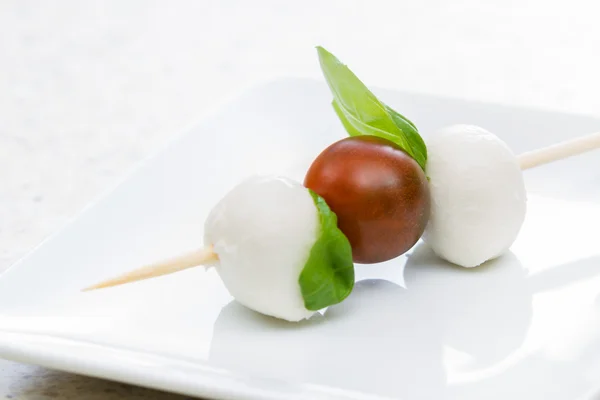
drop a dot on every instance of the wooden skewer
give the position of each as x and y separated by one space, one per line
559 151
205 256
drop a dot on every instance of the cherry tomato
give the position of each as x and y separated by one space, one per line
379 193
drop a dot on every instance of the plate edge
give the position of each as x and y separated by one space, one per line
147 370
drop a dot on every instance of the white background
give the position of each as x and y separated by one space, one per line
88 89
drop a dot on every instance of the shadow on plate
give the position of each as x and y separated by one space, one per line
391 340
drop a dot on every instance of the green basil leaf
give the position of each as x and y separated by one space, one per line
361 113
328 275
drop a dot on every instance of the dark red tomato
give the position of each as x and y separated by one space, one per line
379 193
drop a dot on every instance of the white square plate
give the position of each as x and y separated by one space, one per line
526 326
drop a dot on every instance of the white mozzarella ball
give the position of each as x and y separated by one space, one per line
478 198
263 231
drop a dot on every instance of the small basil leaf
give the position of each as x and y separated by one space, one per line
361 113
328 275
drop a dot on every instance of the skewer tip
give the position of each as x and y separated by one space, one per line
203 257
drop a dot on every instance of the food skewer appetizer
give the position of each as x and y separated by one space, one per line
287 249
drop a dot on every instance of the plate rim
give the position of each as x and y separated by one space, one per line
146 369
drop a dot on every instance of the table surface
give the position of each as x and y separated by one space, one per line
87 90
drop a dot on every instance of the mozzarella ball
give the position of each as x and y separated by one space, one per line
263 231
478 198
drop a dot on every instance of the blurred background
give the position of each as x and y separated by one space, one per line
88 89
